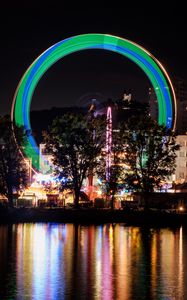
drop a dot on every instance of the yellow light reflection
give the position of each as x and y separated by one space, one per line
180 277
106 262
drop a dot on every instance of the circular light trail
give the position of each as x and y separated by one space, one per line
151 66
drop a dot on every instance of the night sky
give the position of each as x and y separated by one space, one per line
27 29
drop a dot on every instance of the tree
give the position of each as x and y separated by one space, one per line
150 152
13 173
75 142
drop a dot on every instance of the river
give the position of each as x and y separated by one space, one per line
112 261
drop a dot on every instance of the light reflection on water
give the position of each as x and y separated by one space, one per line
55 261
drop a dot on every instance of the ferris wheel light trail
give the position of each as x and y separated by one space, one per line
156 73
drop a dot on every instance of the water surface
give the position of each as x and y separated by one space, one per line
56 261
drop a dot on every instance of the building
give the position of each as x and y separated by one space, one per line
153 104
45 160
180 87
180 175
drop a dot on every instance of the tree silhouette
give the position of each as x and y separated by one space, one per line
75 142
150 153
13 171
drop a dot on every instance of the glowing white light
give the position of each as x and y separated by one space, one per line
44 178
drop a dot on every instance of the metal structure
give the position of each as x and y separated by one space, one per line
108 142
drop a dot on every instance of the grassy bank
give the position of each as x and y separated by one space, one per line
91 216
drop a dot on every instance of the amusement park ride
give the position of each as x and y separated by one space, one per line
108 142
156 73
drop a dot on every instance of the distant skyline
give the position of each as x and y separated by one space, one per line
28 29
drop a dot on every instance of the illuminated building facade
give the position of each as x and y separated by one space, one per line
180 174
45 160
182 118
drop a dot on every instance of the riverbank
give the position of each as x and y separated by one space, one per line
91 216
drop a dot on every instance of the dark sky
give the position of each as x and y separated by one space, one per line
28 28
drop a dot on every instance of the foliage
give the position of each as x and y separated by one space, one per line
75 142
13 173
150 153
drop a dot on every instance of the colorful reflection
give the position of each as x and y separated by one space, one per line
112 261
